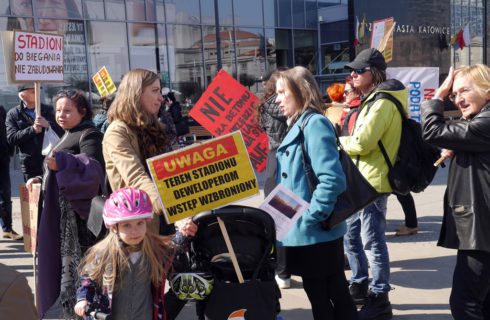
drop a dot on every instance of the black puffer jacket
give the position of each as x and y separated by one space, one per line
4 147
466 221
21 134
273 122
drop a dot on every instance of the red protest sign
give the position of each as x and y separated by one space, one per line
227 106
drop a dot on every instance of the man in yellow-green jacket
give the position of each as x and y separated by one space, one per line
378 120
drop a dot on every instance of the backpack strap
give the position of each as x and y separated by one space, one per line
399 107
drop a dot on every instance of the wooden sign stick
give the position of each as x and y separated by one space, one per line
37 90
234 260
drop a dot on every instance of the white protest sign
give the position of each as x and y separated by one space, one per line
421 82
38 57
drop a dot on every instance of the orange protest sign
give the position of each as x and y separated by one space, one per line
227 106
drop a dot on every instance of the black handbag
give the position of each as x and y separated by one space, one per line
359 193
95 221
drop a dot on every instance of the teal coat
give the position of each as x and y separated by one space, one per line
321 146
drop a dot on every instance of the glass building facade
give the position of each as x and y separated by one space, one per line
187 41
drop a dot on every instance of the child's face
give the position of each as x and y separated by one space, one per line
132 232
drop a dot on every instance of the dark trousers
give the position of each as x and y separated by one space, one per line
270 184
5 196
470 294
408 206
329 297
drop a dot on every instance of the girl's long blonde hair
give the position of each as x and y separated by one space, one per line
109 258
127 108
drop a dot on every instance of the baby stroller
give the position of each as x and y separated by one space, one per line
253 237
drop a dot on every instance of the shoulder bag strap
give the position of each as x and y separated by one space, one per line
310 174
399 107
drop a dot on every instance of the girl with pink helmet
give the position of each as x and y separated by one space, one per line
125 273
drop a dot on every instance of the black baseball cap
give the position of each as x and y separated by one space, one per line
25 86
368 58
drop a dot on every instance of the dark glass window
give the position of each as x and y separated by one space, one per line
94 9
270 13
211 52
59 9
17 7
185 59
248 13
334 57
284 48
225 12
179 11
150 8
311 14
163 57
304 49
115 9
298 13
227 51
334 32
135 10
9 97
284 13
250 57
270 48
75 57
160 14
107 46
328 3
208 12
142 46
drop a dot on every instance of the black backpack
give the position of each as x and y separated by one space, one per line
414 168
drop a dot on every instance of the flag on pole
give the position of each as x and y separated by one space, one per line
462 38
362 28
356 37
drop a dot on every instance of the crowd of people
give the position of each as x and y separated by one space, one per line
124 270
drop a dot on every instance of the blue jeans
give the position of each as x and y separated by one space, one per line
365 241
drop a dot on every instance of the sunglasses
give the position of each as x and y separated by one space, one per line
361 70
70 93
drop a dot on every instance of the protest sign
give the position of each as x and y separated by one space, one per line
29 208
203 177
421 82
227 106
103 82
382 37
37 57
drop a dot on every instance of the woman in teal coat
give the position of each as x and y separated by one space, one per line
317 255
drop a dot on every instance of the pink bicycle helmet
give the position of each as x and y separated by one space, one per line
127 204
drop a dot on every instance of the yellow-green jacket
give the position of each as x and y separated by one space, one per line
382 122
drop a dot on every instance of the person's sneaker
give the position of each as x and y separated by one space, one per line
12 235
406 231
359 292
377 307
283 283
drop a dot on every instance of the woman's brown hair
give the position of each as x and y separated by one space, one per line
304 88
127 108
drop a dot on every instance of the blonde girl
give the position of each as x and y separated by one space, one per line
124 274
